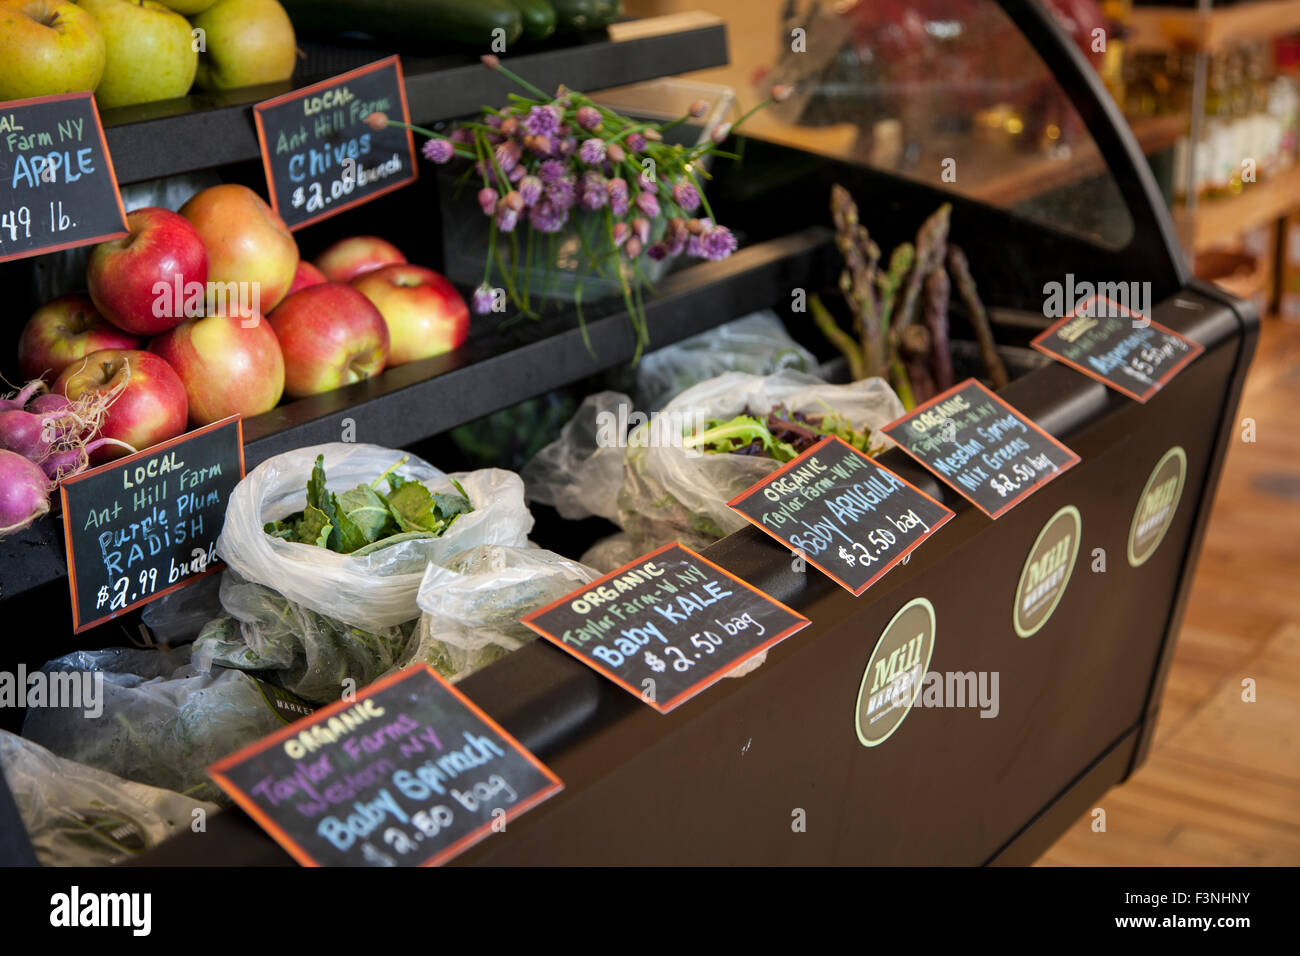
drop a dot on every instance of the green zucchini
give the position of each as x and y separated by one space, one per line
471 23
607 11
575 16
538 17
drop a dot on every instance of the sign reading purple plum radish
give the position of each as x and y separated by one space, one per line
850 518
144 525
981 446
320 155
409 773
667 625
1133 355
61 190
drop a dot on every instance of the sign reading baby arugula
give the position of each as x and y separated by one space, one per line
60 188
667 625
1129 353
145 525
320 155
981 446
851 519
409 773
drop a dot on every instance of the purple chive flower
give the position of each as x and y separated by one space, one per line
646 182
648 203
438 150
542 120
717 243
686 196
592 151
516 174
615 153
618 198
568 145
636 142
512 200
530 190
588 117
547 217
622 231
491 119
508 154
550 170
483 299
592 191
675 236
509 126
562 193
641 227
541 145
507 218
461 136
633 247
657 251
487 200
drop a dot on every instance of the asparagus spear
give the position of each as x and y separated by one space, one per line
960 269
935 311
931 243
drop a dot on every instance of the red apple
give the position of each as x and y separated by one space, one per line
140 282
230 364
151 406
306 275
247 242
64 330
331 336
349 258
424 312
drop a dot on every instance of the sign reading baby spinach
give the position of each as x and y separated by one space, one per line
143 526
409 773
850 518
981 446
60 188
667 625
1126 352
321 156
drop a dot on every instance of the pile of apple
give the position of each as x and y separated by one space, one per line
136 51
152 332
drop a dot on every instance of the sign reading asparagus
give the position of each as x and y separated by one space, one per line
850 518
1137 358
408 773
61 190
667 625
981 446
142 526
320 155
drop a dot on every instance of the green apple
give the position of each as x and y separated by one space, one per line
187 7
248 42
151 53
47 46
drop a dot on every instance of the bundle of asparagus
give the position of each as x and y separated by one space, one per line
889 341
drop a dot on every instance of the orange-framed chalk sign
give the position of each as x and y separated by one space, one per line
143 526
409 772
320 154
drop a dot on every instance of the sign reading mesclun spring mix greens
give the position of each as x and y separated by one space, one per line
409 773
981 446
1156 506
60 188
1128 353
895 671
1047 571
848 516
667 625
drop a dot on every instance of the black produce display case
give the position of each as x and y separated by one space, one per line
727 777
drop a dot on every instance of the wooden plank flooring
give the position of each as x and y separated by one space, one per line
1222 784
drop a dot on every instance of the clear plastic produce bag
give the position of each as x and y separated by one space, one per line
471 608
580 472
162 724
79 816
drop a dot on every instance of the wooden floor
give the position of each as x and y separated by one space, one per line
1222 784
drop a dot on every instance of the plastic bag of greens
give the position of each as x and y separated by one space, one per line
79 816
308 654
162 724
471 608
758 344
579 473
373 586
610 553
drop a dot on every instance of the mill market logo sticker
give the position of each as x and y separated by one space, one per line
1047 571
1157 506
895 671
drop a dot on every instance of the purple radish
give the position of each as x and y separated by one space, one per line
29 435
19 401
49 402
24 492
66 461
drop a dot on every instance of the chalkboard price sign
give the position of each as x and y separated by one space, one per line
1129 353
60 188
981 446
850 518
409 773
667 625
320 156
145 525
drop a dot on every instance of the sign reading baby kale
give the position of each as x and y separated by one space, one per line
409 773
848 516
984 448
320 155
142 526
667 625
1129 353
60 188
